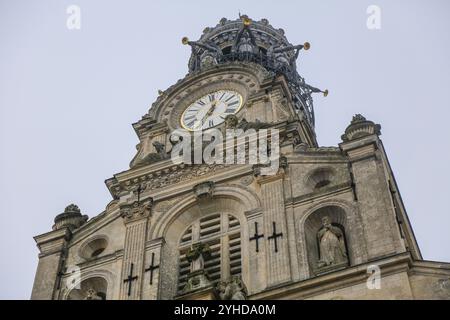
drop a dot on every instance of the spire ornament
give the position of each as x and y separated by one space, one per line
360 127
252 41
71 218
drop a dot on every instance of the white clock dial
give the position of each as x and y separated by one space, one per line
211 110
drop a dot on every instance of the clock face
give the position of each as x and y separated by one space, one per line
211 110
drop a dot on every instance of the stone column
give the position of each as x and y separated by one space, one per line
136 218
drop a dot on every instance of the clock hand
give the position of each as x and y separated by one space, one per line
209 112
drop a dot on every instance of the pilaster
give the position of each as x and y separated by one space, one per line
275 229
136 218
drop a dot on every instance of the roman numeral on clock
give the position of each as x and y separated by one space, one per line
190 123
229 98
189 118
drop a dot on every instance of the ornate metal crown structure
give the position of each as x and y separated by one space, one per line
257 42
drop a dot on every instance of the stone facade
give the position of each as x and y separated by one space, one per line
262 236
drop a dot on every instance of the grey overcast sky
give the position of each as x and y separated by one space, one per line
68 98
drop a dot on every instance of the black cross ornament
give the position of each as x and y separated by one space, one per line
151 268
139 190
275 235
130 279
59 275
256 236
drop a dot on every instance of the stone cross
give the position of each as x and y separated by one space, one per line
139 190
59 276
151 268
256 236
130 279
275 235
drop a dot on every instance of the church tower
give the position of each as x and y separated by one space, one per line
326 223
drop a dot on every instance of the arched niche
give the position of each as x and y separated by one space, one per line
94 288
313 224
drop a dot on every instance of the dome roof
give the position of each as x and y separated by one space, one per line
256 42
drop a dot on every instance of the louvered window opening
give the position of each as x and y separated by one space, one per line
223 235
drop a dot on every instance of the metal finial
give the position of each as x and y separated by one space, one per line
185 40
246 21
306 46
325 93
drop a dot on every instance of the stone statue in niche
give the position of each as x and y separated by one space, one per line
234 289
332 248
197 254
91 294
198 277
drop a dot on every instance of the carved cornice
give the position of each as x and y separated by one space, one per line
54 241
161 178
304 148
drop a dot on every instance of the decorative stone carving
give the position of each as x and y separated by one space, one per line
234 289
231 121
245 125
331 245
153 157
161 178
91 294
360 127
136 210
247 180
198 277
204 190
196 255
70 218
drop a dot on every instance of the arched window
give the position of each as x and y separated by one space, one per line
221 231
94 247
